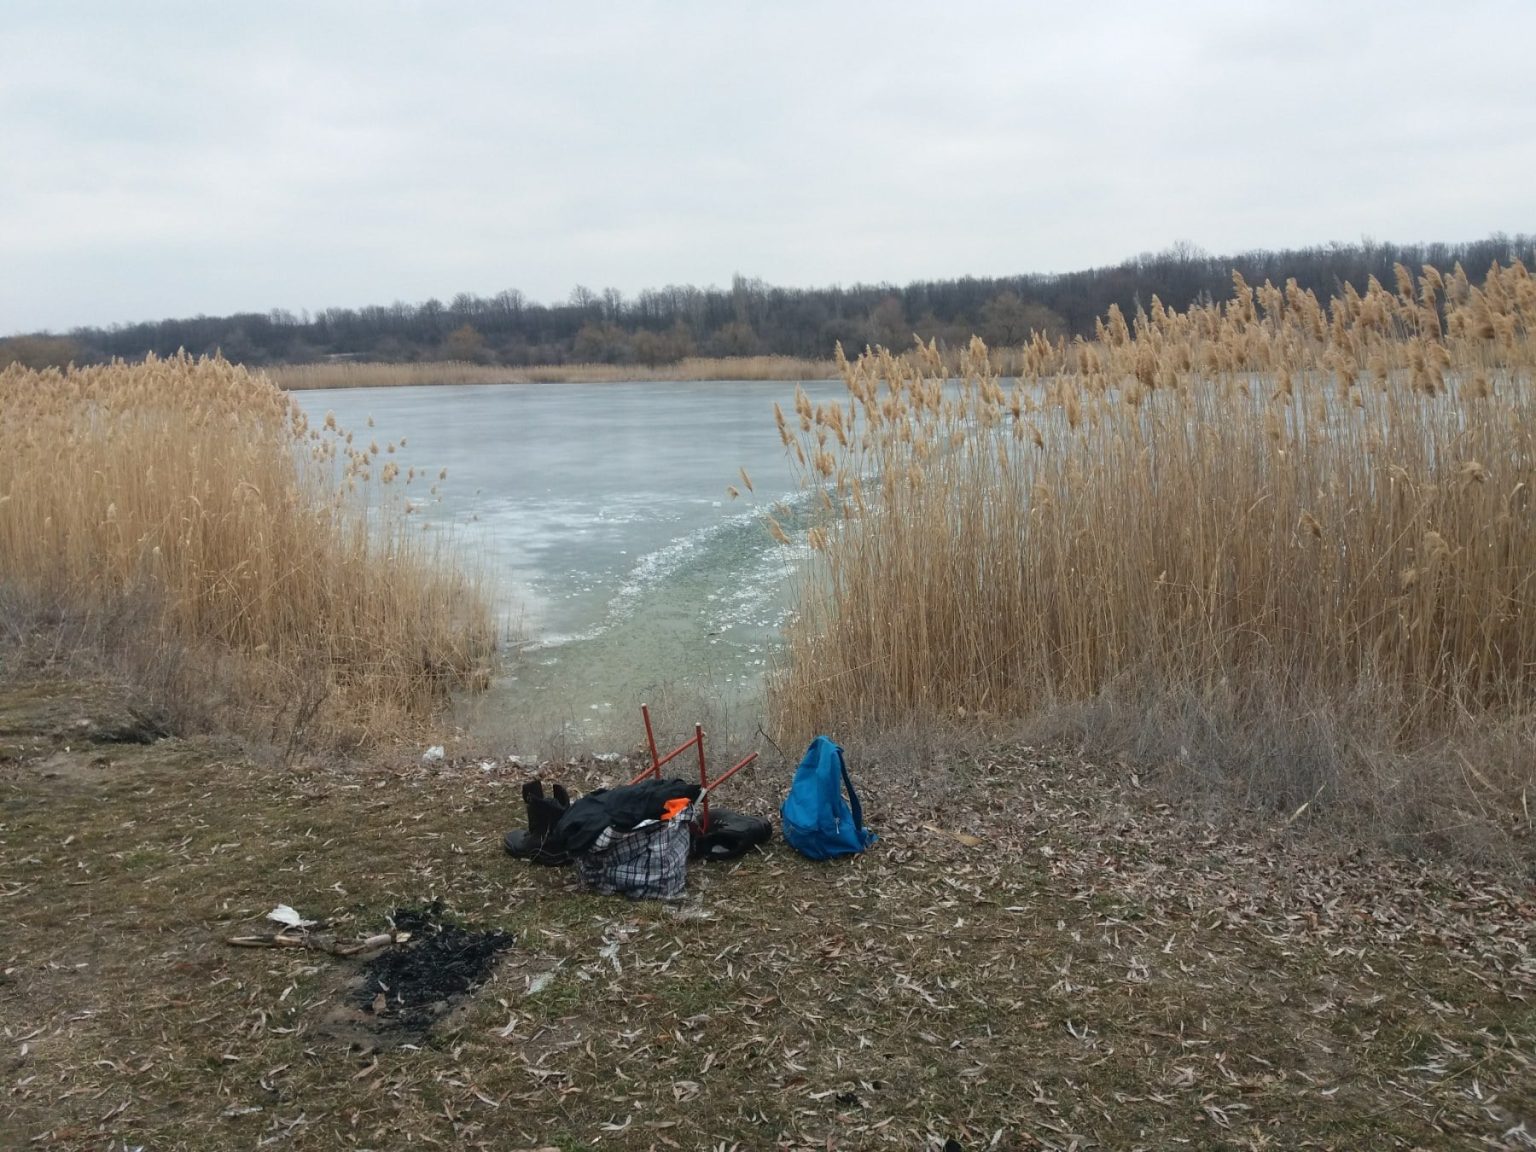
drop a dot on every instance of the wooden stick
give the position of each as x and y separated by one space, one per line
321 943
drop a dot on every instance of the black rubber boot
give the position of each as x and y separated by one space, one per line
543 814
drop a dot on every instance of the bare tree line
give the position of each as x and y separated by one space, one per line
751 317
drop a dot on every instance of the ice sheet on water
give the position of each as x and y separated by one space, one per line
530 529
655 567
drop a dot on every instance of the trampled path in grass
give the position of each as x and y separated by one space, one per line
1035 955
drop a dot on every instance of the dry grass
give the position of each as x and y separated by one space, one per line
193 498
1032 957
379 375
1265 500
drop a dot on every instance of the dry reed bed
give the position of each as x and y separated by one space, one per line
1263 500
197 489
367 374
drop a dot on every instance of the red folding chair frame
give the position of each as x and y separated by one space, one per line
659 761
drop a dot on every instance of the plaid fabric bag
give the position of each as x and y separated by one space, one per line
649 862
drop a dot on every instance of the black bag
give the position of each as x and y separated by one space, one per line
731 835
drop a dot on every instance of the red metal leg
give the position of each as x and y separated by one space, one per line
698 734
735 768
665 760
650 738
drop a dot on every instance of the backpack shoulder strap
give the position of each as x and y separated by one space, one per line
853 797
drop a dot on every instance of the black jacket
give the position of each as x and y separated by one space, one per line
621 808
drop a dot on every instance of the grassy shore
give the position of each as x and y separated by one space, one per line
295 377
1036 955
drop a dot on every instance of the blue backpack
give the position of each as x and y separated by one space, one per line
817 821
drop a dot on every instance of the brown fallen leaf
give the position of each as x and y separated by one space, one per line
964 837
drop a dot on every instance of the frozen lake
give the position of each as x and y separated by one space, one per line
602 512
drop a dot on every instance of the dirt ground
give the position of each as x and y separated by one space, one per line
1035 955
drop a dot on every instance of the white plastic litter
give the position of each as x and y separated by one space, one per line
433 754
610 953
286 915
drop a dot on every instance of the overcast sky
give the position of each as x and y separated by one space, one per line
168 159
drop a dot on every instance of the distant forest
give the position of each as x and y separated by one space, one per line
661 326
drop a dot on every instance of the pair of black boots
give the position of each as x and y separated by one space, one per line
544 812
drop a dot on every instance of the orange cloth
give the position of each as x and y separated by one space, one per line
672 807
